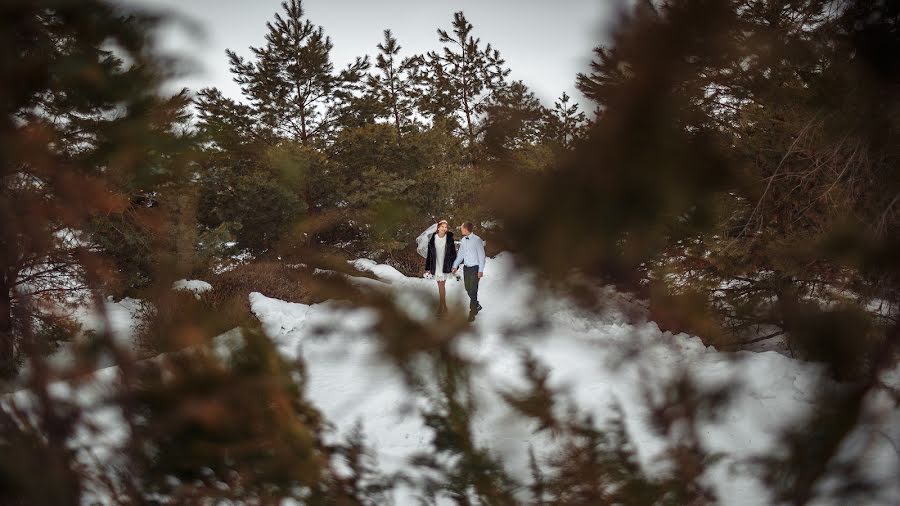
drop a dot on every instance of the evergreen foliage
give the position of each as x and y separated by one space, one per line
462 77
84 136
395 86
291 81
739 172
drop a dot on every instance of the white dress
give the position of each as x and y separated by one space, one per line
440 249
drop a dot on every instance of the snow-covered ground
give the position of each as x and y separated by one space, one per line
118 318
121 317
595 359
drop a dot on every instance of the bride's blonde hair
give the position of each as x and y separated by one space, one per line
442 222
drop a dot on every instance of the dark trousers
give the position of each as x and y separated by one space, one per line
470 275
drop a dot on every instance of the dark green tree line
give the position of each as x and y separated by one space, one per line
351 169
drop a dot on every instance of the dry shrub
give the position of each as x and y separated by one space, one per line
172 321
687 312
231 289
175 319
493 245
406 260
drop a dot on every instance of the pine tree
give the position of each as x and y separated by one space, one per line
462 78
394 86
227 125
789 94
517 113
607 71
291 81
748 151
565 123
84 134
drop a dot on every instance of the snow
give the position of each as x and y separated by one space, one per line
595 359
100 436
193 285
121 317
381 271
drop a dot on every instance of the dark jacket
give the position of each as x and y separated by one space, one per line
449 254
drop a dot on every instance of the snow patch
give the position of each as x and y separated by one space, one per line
192 285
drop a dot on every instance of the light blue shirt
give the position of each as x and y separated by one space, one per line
471 252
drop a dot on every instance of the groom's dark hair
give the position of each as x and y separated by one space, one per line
468 226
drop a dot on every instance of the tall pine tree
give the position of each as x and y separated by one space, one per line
84 133
393 86
565 123
462 77
291 80
514 119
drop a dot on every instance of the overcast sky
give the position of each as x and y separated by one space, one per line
545 42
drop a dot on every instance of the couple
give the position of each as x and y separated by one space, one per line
442 260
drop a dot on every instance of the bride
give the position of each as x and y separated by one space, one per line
437 246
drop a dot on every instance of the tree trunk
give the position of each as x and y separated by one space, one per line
394 100
397 121
303 128
469 126
7 342
183 209
301 98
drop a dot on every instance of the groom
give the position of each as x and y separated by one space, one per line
471 254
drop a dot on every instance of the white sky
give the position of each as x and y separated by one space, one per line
545 43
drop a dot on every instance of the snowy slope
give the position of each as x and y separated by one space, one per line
594 359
